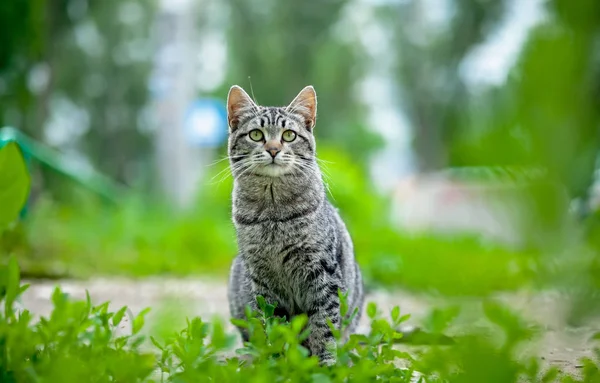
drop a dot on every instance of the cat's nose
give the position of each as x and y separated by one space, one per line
273 147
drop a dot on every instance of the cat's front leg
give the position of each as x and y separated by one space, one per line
255 290
321 341
260 288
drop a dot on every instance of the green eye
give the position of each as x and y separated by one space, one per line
289 135
256 135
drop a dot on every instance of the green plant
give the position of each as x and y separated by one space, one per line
77 343
140 237
14 183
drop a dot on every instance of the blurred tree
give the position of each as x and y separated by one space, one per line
23 44
563 59
284 46
429 53
74 73
558 104
547 115
111 44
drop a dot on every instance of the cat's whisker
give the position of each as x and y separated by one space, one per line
327 176
226 158
224 171
250 168
222 179
305 167
224 176
324 161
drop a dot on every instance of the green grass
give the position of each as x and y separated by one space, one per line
137 243
141 238
76 343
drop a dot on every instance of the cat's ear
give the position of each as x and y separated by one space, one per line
238 104
305 105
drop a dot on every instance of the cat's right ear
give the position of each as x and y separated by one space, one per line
238 104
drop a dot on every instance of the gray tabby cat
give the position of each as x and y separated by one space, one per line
294 248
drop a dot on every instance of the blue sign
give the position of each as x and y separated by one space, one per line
205 123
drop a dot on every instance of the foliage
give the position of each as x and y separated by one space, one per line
55 60
77 343
434 95
137 238
60 56
142 238
14 183
74 344
547 112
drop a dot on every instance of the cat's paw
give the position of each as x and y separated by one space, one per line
328 361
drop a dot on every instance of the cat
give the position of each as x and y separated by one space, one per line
294 249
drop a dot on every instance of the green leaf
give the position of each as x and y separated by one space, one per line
372 310
299 322
320 378
23 288
138 322
12 285
550 375
156 344
439 319
137 341
219 338
121 342
119 316
260 300
304 335
270 310
395 313
343 297
102 308
334 330
239 322
14 184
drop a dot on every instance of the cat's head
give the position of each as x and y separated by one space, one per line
271 141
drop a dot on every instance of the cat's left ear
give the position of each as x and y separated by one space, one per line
238 104
305 105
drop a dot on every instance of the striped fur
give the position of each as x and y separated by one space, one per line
294 248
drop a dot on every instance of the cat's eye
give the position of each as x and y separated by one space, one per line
256 135
289 135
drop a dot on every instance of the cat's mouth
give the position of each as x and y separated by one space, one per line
273 169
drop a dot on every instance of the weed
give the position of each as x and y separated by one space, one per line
76 343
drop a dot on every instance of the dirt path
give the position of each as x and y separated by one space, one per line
174 299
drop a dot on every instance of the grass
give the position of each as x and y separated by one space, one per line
141 238
77 343
137 243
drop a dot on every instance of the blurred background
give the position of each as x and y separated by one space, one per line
460 138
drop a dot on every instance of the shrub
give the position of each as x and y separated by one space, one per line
76 343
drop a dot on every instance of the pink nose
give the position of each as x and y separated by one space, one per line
273 147
273 151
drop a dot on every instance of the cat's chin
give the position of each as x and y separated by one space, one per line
273 170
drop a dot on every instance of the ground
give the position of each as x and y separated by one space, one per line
173 299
